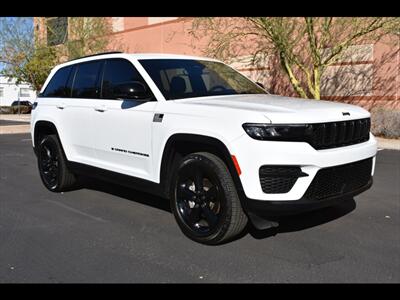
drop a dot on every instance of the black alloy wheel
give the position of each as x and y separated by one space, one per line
49 163
199 198
204 200
52 164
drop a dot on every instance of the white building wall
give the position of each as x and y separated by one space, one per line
11 91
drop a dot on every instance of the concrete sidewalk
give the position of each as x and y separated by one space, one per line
10 124
16 117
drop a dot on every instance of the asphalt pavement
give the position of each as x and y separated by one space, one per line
107 233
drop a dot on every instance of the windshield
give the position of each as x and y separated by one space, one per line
187 78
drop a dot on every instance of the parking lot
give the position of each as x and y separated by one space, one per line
107 233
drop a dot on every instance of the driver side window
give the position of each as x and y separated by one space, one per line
116 72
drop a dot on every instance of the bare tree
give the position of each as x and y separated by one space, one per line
29 55
304 47
20 58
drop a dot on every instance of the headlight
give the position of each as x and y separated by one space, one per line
284 132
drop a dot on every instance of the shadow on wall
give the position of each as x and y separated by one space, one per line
375 79
286 223
358 78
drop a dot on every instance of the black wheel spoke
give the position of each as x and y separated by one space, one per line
49 163
185 192
211 217
198 180
194 215
212 194
198 198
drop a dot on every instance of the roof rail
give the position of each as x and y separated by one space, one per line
102 53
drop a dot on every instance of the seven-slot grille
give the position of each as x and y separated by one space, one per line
338 134
338 180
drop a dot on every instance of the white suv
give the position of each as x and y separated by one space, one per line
194 130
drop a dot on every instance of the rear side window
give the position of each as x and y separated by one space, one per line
86 80
56 86
118 71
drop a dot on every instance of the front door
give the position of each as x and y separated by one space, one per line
123 128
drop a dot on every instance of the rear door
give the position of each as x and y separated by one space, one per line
51 99
76 112
123 128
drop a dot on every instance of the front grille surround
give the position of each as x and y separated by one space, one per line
339 180
338 134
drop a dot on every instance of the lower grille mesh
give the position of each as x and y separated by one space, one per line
339 180
279 179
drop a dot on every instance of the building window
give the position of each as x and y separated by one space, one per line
1 92
118 24
155 20
24 92
57 30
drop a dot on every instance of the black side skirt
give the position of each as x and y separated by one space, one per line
118 178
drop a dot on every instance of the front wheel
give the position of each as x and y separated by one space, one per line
204 200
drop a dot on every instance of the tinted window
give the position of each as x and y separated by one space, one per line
56 86
86 78
118 71
186 78
68 86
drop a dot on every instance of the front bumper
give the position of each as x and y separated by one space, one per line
282 208
252 154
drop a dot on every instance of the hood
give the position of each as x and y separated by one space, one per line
279 109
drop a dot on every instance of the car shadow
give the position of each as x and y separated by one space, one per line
305 220
286 223
125 192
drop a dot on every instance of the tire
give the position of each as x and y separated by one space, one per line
53 169
206 207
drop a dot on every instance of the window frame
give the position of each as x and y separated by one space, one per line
98 78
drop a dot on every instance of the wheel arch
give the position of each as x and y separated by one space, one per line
180 144
41 128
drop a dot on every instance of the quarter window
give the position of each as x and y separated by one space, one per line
118 71
56 86
86 79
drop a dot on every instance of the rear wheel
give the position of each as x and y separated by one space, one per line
52 165
204 200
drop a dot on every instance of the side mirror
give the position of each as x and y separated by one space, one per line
131 90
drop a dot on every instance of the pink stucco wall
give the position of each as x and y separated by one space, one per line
382 88
173 37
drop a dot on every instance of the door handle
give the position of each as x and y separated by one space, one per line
100 108
61 106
